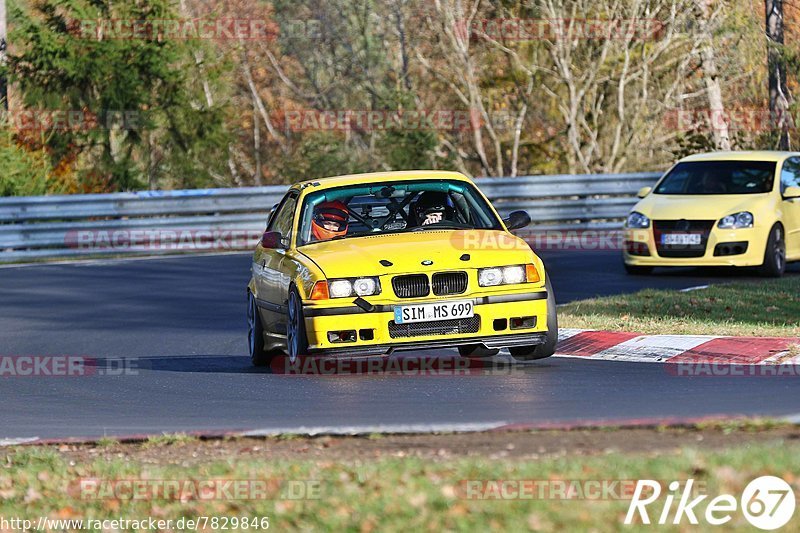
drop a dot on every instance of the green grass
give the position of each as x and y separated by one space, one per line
767 308
390 494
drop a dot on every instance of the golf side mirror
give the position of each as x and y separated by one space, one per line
791 192
644 191
517 220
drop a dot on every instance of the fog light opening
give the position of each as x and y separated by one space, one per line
366 334
637 248
523 322
342 336
500 324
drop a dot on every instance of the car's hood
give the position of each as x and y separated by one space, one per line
362 256
697 207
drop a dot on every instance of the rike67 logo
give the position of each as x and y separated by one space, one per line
767 502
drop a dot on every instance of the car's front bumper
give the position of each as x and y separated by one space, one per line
755 239
493 331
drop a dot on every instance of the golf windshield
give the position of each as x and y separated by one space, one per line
719 177
406 206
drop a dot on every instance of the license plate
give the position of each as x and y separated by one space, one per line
407 314
681 238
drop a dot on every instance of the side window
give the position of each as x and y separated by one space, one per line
282 219
790 173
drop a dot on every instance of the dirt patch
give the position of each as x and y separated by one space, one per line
496 444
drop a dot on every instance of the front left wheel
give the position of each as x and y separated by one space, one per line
541 351
296 338
774 263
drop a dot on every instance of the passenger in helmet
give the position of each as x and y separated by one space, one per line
330 220
431 208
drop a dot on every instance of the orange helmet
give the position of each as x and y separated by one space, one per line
330 220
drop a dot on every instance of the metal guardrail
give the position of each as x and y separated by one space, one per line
121 223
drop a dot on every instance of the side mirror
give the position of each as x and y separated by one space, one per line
517 220
272 240
644 191
791 192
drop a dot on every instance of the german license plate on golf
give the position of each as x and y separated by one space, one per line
406 314
681 238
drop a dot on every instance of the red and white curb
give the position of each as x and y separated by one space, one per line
632 347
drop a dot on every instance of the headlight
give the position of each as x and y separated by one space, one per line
489 277
365 286
510 275
737 221
344 288
637 220
513 275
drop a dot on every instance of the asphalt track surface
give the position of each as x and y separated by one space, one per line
179 323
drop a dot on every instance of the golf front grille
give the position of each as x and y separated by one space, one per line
413 286
445 283
439 327
701 227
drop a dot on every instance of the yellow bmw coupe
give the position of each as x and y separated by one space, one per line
372 263
719 209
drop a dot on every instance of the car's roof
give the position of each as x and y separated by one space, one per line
753 155
404 175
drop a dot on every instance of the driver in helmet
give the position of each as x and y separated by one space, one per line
431 208
330 220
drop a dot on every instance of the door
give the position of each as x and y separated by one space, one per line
268 269
790 177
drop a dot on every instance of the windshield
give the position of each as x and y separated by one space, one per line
378 208
719 177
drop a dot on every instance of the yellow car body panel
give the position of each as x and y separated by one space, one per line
426 252
768 209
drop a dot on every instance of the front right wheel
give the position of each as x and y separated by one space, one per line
296 338
540 351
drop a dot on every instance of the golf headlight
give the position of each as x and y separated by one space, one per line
737 221
510 275
344 288
637 220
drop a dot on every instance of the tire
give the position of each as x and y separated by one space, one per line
541 351
255 334
635 270
296 338
774 264
476 350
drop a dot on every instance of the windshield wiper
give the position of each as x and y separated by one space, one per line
441 226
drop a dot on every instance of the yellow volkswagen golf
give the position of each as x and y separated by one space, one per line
372 263
719 209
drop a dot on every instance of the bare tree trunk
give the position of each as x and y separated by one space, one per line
719 123
3 48
778 93
256 145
